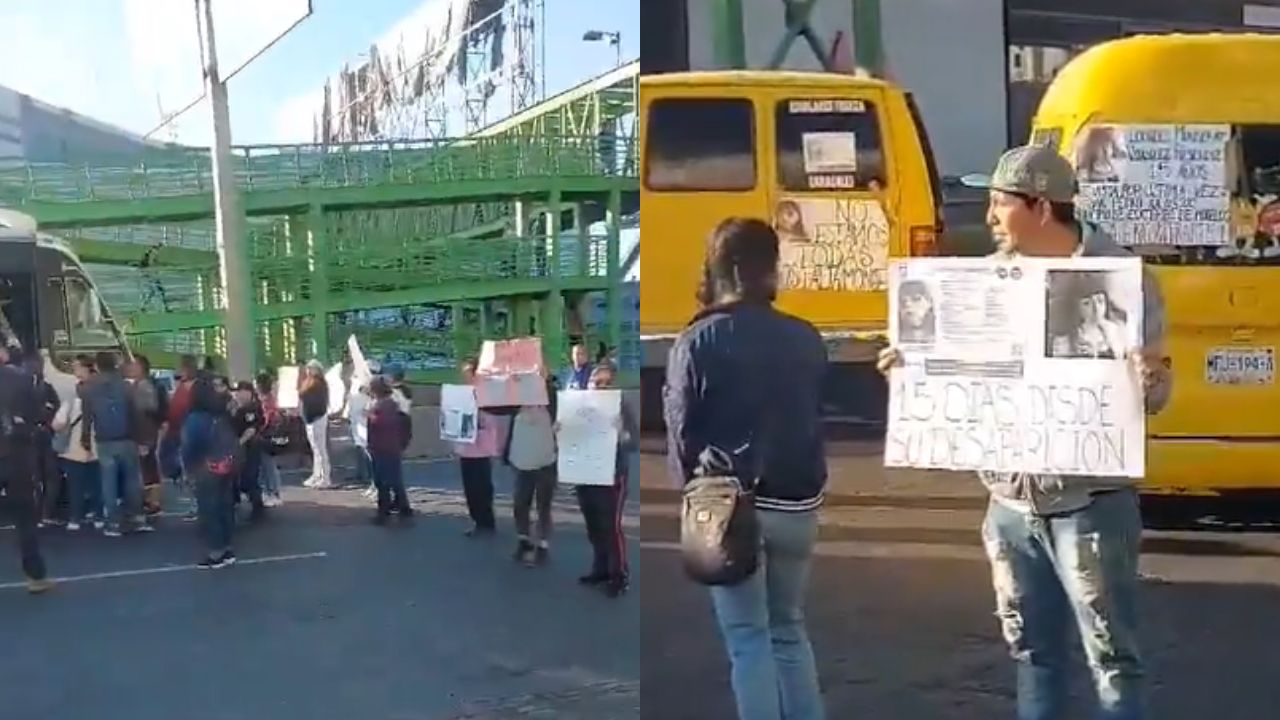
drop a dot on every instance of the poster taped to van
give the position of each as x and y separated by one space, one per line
1156 184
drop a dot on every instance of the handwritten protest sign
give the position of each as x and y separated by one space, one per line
587 439
510 373
287 388
337 389
458 411
510 357
1156 184
1017 366
361 373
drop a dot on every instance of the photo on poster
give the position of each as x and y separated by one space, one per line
917 319
1084 317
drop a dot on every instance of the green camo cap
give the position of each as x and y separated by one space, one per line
1034 170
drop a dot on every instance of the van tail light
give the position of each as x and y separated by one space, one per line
924 240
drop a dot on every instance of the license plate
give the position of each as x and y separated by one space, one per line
1240 366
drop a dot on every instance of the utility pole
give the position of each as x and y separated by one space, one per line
233 255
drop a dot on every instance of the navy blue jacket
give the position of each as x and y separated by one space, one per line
745 381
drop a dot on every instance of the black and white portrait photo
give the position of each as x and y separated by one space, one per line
916 318
1082 317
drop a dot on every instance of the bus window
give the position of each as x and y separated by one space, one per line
85 318
700 144
17 306
829 144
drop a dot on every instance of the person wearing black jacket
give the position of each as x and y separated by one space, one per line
313 395
602 505
248 421
47 475
742 396
20 414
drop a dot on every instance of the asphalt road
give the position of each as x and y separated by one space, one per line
335 619
901 605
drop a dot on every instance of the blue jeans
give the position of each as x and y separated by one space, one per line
84 489
121 472
388 476
269 475
774 676
1081 568
215 511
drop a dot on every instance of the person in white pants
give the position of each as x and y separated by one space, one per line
313 396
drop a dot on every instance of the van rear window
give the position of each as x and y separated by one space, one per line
830 144
700 144
1254 181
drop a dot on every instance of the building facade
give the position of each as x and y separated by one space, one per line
34 131
977 68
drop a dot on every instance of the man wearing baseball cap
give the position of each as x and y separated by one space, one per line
1065 549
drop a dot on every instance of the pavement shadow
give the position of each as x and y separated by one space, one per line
915 638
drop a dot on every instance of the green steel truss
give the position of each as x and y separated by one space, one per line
422 248
350 238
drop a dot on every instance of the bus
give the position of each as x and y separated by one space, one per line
48 302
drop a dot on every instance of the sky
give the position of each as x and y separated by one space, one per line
124 61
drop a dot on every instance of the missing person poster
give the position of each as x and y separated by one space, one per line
458 414
1017 365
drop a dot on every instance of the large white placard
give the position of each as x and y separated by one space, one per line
587 439
458 413
1017 366
337 389
1156 184
287 387
361 374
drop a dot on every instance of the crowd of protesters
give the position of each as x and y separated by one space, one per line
98 460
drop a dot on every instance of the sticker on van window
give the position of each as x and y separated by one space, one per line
824 107
1156 184
838 245
830 152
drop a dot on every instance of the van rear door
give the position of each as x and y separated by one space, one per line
833 197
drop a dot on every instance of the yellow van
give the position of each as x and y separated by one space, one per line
840 165
1176 142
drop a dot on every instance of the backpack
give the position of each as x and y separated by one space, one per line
225 454
110 411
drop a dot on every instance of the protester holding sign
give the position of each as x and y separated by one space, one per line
531 451
602 505
1047 536
475 460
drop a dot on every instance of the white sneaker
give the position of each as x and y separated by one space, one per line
323 485
73 526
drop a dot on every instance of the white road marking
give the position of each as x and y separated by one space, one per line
167 569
